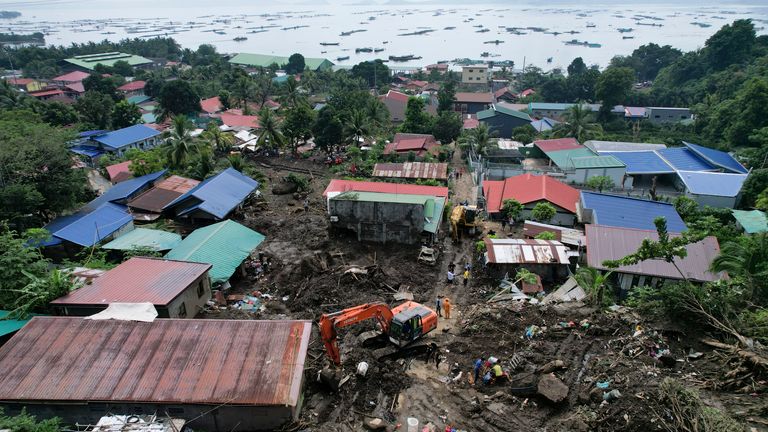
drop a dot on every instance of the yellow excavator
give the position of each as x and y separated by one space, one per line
464 218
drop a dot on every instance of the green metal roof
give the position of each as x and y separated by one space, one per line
753 221
482 115
224 245
143 238
564 158
597 162
8 326
262 60
90 61
511 112
433 206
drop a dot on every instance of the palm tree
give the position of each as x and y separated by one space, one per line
180 142
578 124
9 97
219 140
291 93
377 114
243 91
357 126
593 282
263 89
478 139
746 258
269 135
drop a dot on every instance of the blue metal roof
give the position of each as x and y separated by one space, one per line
123 137
642 162
86 150
709 183
683 159
544 124
717 158
216 195
91 228
626 212
124 190
86 134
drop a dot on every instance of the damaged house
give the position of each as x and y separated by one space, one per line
548 259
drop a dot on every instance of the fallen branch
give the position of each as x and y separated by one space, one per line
750 356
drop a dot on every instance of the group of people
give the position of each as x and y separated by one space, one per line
443 307
490 370
451 275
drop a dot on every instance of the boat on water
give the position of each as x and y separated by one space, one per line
549 59
376 50
329 43
582 43
404 58
485 54
363 50
450 28
220 32
342 58
627 37
485 30
625 30
257 31
496 42
591 25
240 39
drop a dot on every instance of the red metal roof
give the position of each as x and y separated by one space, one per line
557 144
612 243
383 187
235 120
410 144
471 123
413 170
132 86
527 92
20 81
182 361
396 95
211 105
474 98
114 170
138 280
76 87
43 93
72 77
178 184
528 188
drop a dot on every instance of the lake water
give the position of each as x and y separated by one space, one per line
194 22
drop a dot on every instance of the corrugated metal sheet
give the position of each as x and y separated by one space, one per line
621 146
642 162
89 229
528 188
383 187
125 190
154 200
138 280
712 183
237 362
413 170
683 159
612 243
717 158
123 137
752 221
224 245
557 144
569 236
626 212
526 251
144 238
217 195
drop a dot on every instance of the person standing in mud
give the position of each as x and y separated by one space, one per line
466 277
306 205
450 276
447 307
439 306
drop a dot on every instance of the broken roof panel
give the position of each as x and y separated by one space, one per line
412 170
525 251
168 361
337 186
613 243
752 221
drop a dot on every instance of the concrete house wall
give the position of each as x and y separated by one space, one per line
474 75
581 175
379 221
714 201
668 115
141 145
563 217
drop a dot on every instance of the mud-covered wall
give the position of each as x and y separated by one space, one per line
379 221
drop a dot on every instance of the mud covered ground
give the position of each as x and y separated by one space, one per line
309 274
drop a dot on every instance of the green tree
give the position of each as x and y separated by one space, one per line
733 43
686 207
753 185
243 90
297 126
122 68
546 235
236 161
25 422
748 112
578 124
180 143
746 259
58 114
613 88
145 162
292 95
295 64
511 209
447 127
95 109
417 120
153 85
225 98
600 183
19 263
328 129
41 290
270 133
446 97
581 86
220 141
374 73
577 66
104 85
478 139
594 283
357 127
378 115
648 60
543 212
555 89
125 114
179 97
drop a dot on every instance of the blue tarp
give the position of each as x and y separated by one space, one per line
642 162
709 183
626 212
217 195
126 136
717 158
683 159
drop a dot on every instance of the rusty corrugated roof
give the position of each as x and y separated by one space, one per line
178 184
526 251
154 199
234 362
413 170
613 243
138 280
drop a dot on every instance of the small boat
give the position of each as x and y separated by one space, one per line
627 37
364 50
496 42
240 39
485 54
485 30
329 43
342 58
450 28
220 32
625 30
549 60
378 50
591 25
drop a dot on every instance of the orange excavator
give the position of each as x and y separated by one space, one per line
402 325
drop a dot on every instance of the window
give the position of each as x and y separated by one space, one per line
182 312
470 71
200 289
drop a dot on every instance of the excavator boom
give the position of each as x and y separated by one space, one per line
330 322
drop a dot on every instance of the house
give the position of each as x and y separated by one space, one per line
525 93
751 221
618 146
396 103
474 74
47 94
642 167
177 289
574 238
578 162
215 197
412 170
548 259
529 190
70 78
386 217
119 172
555 110
440 67
470 121
719 190
544 125
635 113
88 62
224 245
613 243
660 115
27 85
102 219
501 121
472 103
716 158
237 121
133 88
504 94
211 105
192 369
337 186
261 60
144 239
73 90
626 212
149 205
139 137
405 143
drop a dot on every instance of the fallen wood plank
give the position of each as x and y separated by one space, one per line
750 356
